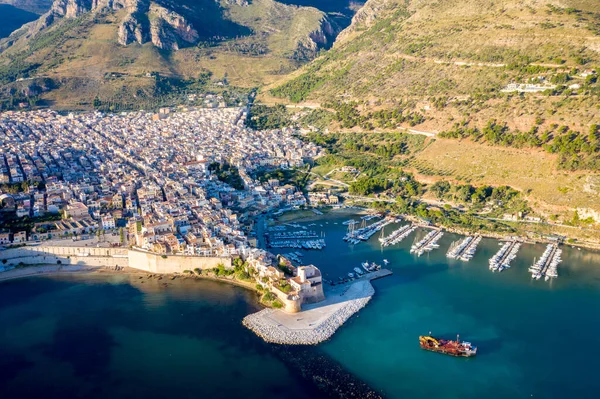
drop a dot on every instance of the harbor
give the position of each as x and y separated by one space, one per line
447 297
465 250
427 244
427 293
317 322
502 259
547 265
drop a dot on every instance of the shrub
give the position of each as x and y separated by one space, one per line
269 296
277 304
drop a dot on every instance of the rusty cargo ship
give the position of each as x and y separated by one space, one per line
447 347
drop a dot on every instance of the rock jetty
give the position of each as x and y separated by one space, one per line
317 322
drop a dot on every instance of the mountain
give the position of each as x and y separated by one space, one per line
455 57
82 49
446 69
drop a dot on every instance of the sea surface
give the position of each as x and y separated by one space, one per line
12 18
95 336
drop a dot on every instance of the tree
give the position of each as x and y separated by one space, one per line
594 136
440 189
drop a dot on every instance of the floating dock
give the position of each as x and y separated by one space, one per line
365 232
465 249
547 265
397 235
428 243
501 260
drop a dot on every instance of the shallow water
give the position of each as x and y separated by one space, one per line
533 336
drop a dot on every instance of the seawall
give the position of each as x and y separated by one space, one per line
109 257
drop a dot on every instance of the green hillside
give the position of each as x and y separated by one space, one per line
76 60
440 69
453 58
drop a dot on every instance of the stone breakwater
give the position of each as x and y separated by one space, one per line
315 324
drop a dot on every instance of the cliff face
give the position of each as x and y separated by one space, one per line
367 15
145 21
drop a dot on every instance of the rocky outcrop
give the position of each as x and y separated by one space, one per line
168 28
323 37
144 22
366 16
131 31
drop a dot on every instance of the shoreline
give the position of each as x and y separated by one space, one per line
51 270
495 235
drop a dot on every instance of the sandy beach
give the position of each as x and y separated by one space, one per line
32 271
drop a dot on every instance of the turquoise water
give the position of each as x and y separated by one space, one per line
535 338
119 337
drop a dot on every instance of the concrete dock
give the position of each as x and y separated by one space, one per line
316 322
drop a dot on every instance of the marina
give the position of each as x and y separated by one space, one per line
427 244
300 239
397 235
465 249
547 265
437 294
501 260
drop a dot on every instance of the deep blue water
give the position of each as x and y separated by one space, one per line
116 337
12 18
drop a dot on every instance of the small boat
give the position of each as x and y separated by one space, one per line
358 271
385 262
351 275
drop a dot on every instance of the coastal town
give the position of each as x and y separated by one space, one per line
168 179
175 185
177 192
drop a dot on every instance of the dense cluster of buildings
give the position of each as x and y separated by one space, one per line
156 183
150 178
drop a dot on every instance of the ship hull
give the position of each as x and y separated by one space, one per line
444 351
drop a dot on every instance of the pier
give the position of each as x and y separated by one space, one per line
397 236
465 249
354 236
501 260
547 265
428 243
319 321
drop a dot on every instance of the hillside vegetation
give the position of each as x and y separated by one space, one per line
441 67
453 58
79 58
